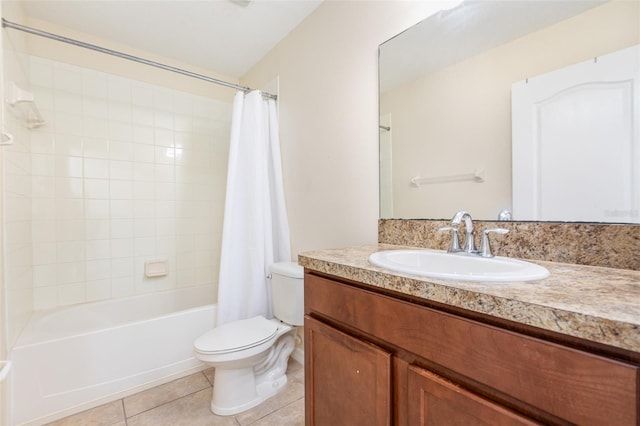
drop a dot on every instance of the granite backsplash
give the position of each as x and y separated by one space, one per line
609 245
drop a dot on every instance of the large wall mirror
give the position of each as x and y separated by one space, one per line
480 111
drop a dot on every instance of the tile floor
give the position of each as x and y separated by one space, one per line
186 402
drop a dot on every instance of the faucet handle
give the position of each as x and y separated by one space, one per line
454 246
485 247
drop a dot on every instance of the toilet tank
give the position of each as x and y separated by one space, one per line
287 292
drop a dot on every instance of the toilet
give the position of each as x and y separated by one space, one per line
251 355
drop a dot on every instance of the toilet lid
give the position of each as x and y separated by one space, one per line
237 335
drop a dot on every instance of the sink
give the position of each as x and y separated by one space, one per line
457 266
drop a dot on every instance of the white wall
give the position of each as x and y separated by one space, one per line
329 117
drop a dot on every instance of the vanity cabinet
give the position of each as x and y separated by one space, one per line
380 358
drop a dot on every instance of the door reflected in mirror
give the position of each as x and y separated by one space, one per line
446 134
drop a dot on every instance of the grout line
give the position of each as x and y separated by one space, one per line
124 412
207 377
167 402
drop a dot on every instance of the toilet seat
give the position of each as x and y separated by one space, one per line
236 336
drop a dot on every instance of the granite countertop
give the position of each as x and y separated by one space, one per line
594 303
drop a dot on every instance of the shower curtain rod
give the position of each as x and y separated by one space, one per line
9 24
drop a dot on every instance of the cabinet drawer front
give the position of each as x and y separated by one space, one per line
436 401
571 384
344 378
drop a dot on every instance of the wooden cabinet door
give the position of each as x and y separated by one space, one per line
435 401
348 380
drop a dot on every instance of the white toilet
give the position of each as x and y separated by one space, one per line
251 355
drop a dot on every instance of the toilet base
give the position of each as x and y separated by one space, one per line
263 392
238 389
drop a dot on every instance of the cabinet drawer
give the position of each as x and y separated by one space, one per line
571 384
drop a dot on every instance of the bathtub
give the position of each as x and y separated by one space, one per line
78 357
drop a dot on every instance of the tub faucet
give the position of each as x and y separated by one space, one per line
469 244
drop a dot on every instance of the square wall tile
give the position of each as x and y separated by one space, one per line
93 123
145 227
163 135
142 94
97 229
120 151
96 168
123 267
96 147
97 209
120 131
67 78
69 230
121 228
43 164
45 297
69 294
69 187
72 272
44 275
68 123
143 153
96 189
122 247
120 89
123 286
121 189
120 170
97 249
94 85
98 290
66 145
98 269
40 72
121 209
45 253
70 251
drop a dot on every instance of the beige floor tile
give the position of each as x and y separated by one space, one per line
293 391
192 410
295 371
146 400
104 415
291 415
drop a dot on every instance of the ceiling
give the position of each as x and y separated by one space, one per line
227 37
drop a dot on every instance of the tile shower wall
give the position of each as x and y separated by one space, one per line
123 172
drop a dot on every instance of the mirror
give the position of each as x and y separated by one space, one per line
446 108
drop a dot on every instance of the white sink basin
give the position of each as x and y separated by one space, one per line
461 267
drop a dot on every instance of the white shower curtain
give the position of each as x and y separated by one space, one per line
255 231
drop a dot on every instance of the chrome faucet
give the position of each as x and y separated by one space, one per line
469 242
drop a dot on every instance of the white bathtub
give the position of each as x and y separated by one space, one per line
78 357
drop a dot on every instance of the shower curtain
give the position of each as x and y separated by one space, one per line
255 231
